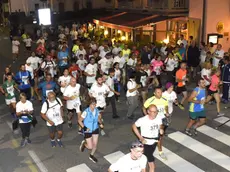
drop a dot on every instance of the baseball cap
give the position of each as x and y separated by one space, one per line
168 85
136 144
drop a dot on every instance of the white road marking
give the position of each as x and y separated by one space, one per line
202 149
222 120
38 162
215 134
9 124
3 116
113 157
80 168
177 163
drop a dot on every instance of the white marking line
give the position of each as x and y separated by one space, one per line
113 157
9 124
215 134
222 120
80 168
177 163
37 161
202 149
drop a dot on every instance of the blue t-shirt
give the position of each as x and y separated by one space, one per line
196 107
46 87
23 79
62 58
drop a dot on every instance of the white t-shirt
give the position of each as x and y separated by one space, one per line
80 52
93 46
182 41
163 50
64 80
105 64
149 128
54 112
100 48
117 74
34 61
127 164
50 65
110 83
130 85
91 69
31 70
120 60
61 36
73 91
28 42
81 64
15 46
42 41
99 92
206 72
171 63
218 53
171 97
116 50
27 106
131 62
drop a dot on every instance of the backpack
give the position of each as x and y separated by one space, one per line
48 107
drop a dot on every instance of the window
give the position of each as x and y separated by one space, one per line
76 6
61 7
36 7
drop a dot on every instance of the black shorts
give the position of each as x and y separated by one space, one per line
101 108
88 135
148 152
211 93
32 83
53 129
180 90
77 110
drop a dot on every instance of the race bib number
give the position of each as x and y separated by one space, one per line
10 90
25 80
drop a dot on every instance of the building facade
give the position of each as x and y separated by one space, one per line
215 18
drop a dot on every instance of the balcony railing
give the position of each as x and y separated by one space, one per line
154 4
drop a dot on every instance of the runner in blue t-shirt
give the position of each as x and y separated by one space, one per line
47 86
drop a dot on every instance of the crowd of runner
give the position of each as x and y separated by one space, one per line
69 70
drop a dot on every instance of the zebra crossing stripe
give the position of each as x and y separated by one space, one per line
222 120
80 168
177 163
202 149
215 134
113 157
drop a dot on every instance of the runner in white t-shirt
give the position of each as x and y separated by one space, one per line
15 49
73 102
91 72
99 90
150 127
52 113
134 161
64 80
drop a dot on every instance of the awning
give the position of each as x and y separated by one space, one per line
126 21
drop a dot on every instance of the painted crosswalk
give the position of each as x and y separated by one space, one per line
202 149
175 161
222 120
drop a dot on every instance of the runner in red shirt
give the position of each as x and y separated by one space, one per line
74 70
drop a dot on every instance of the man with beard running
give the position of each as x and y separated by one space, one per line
197 113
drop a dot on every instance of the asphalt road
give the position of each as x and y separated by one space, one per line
209 151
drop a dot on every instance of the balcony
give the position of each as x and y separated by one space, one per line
154 5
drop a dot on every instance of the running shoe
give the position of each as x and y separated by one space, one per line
188 132
92 158
28 140
116 116
60 143
80 132
53 143
23 143
82 146
219 114
195 132
163 156
181 106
